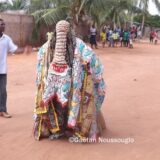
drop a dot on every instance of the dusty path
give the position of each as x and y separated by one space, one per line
131 109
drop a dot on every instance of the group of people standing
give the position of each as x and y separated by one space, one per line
118 35
113 37
124 37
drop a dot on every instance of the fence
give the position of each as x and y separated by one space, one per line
18 27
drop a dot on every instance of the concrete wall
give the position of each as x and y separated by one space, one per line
147 31
18 27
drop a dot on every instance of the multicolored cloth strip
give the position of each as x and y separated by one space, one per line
71 99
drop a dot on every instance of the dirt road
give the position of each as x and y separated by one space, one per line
131 110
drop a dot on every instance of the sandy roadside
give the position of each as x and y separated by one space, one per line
131 109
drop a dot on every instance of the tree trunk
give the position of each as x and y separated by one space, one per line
132 17
114 21
142 26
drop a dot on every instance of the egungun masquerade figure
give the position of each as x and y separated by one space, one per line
70 88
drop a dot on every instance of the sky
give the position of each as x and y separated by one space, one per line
152 8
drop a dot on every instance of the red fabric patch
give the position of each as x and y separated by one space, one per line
59 68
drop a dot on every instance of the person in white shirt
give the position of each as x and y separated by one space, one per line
93 33
6 46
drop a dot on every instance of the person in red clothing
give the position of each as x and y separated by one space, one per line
151 36
156 37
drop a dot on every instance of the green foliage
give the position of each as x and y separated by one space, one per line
3 6
76 9
17 5
152 21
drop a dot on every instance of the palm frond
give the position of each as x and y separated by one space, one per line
50 16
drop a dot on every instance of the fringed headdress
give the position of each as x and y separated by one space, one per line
63 44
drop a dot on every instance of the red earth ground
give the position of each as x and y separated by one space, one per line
131 109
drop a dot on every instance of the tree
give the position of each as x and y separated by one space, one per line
118 11
151 21
14 5
143 4
58 9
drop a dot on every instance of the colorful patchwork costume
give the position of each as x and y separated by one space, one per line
69 95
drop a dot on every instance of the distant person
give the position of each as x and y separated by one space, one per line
139 35
107 35
93 33
121 37
133 33
104 27
156 37
151 37
130 43
126 38
118 30
110 38
103 37
115 36
6 45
